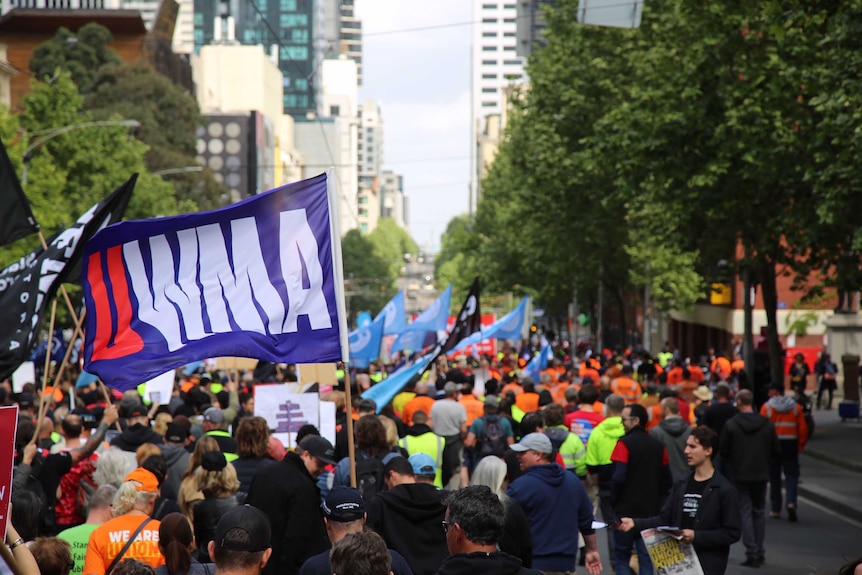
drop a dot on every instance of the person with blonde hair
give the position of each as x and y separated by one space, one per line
516 538
132 533
160 425
216 479
144 451
189 492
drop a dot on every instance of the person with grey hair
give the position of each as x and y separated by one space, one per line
99 512
112 467
112 541
473 526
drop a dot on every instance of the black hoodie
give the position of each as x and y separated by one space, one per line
135 436
480 563
409 517
749 444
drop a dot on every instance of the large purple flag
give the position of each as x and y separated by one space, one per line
258 279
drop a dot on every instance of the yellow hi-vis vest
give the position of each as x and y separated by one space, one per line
430 444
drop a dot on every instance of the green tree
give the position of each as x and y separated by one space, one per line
456 262
390 243
82 54
369 283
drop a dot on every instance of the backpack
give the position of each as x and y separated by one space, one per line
369 477
558 437
493 439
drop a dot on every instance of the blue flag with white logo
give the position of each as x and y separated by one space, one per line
395 321
436 317
365 343
539 361
383 392
507 327
261 279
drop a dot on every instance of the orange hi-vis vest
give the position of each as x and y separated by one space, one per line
628 388
790 425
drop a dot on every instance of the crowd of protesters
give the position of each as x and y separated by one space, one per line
475 467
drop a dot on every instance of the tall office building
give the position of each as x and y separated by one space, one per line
393 201
495 65
343 32
531 25
298 25
370 139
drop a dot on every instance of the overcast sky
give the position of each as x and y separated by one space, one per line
422 81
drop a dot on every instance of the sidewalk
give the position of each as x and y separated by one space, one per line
832 464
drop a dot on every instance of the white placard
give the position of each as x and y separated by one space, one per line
286 412
26 373
327 420
163 385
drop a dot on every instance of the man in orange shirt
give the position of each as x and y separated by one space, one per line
474 407
133 504
792 430
528 400
627 387
420 402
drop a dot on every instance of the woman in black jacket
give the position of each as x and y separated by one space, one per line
252 441
175 543
216 479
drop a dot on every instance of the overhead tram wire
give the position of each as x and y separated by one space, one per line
280 43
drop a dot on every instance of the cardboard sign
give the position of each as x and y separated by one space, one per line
8 429
238 363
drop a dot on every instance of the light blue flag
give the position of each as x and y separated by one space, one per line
539 362
395 320
436 316
383 392
364 343
507 327
413 341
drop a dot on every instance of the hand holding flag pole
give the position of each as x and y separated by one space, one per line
43 404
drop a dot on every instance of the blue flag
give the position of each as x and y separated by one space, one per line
365 343
539 362
383 392
436 317
507 327
260 279
395 320
414 341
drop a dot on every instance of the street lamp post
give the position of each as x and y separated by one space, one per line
28 153
186 170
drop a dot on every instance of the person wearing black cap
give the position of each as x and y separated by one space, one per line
241 545
176 454
287 493
137 431
344 513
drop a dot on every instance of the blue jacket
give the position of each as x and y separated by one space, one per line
557 506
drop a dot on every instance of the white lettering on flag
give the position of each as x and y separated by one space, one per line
186 294
253 270
299 251
156 311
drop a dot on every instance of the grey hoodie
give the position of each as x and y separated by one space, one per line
672 432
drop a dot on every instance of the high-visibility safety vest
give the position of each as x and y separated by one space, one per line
790 425
628 388
430 444
219 433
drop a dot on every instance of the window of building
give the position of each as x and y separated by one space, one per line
363 212
287 5
489 90
489 48
199 19
292 20
335 110
369 149
489 76
489 20
293 53
249 36
509 48
508 34
300 85
199 36
511 62
489 6
363 227
363 200
299 35
509 6
489 104
489 34
489 62
508 20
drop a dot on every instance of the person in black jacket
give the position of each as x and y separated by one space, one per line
641 481
748 445
137 431
216 479
703 505
473 525
287 493
408 517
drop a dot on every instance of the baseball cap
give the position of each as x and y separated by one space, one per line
136 410
451 388
25 399
176 433
214 415
145 479
423 464
252 521
319 447
343 504
534 442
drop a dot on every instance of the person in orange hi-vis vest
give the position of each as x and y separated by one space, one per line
626 386
792 430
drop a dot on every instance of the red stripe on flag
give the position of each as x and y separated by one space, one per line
126 341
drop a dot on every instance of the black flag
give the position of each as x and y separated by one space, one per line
16 218
28 284
468 322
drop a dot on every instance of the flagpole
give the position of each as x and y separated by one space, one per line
351 449
43 408
62 287
108 400
69 349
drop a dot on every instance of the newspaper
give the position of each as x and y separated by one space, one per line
669 555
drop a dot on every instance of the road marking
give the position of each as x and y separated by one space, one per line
828 511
